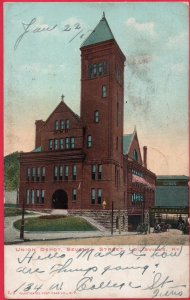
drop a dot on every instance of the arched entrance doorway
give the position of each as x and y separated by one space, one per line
60 200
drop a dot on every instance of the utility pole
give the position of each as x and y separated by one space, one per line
22 222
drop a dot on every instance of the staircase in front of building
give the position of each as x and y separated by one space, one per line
101 218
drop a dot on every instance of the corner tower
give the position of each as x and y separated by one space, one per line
102 93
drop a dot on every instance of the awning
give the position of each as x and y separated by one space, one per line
141 180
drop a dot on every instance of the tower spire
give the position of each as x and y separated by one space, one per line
103 16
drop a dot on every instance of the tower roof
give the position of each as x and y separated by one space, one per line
101 33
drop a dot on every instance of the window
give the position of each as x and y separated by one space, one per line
93 196
37 196
89 141
56 125
27 196
72 142
61 144
66 172
33 173
104 91
96 116
93 172
95 70
74 172
56 144
50 144
32 196
135 155
90 71
55 172
60 172
67 143
42 196
28 174
62 124
99 171
117 143
43 173
38 174
99 196
67 125
100 67
105 68
74 195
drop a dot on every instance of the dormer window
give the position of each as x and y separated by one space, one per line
56 125
135 155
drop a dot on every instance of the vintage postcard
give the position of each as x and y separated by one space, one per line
96 158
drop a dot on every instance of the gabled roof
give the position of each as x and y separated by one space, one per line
127 140
63 104
101 33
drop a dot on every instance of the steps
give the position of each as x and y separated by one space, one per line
102 218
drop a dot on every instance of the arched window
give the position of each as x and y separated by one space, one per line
135 155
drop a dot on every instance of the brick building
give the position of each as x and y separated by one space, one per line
140 181
78 162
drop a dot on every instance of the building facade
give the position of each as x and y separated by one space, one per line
140 181
78 162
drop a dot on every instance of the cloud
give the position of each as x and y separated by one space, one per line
147 27
40 69
177 40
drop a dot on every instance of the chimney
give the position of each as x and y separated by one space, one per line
39 124
145 156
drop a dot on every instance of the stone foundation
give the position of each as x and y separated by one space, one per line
103 217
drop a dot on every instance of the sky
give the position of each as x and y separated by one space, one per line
40 66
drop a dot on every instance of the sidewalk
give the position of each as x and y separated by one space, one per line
12 235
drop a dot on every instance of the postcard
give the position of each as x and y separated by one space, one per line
96 168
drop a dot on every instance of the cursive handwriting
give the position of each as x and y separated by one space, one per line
86 284
28 28
161 252
32 27
31 256
158 281
59 268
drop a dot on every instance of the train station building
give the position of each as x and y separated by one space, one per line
85 164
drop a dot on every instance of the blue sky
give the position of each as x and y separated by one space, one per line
154 38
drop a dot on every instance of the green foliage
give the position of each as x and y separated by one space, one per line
55 224
11 171
13 211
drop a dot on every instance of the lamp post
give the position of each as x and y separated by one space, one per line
22 222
